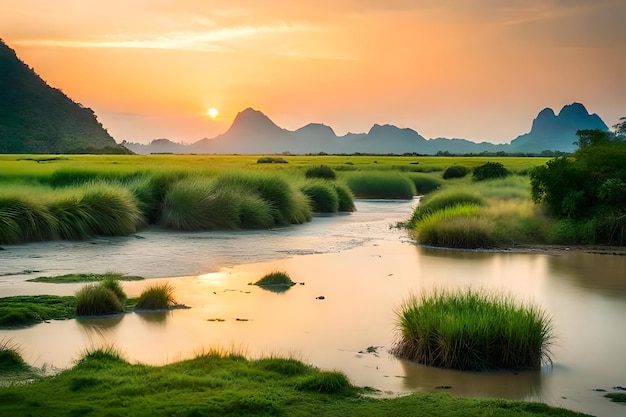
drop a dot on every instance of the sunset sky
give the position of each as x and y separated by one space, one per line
475 69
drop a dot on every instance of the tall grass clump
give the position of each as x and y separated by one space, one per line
100 299
345 199
10 356
95 209
321 171
322 194
275 278
329 382
442 199
197 203
288 204
380 184
156 297
424 183
69 177
472 330
25 217
511 187
459 226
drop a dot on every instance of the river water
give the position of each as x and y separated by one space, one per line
364 269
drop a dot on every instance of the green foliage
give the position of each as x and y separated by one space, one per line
271 160
588 188
325 381
26 309
455 171
101 299
472 330
323 195
322 171
10 356
86 277
386 185
156 297
459 226
345 199
442 199
424 183
103 383
490 170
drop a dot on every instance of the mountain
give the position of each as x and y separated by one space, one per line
36 118
252 132
557 132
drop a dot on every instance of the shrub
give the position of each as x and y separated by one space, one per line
25 218
489 170
323 172
424 183
271 160
157 297
323 196
97 300
374 184
472 330
455 171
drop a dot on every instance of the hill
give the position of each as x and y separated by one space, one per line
252 132
36 118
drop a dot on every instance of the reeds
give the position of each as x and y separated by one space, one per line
472 330
156 297
10 356
380 184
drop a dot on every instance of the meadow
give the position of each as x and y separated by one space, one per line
83 196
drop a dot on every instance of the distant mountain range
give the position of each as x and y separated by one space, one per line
252 132
36 118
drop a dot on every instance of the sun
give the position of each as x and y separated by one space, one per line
212 112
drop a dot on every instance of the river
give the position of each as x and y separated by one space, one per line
363 267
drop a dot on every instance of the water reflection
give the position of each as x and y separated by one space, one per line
598 272
154 318
525 385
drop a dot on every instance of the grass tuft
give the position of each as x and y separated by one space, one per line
380 184
11 356
156 297
472 330
275 278
329 382
322 194
100 299
321 171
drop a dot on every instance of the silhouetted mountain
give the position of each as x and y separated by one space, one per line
252 132
36 118
156 146
552 132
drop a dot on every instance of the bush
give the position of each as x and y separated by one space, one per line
271 160
323 172
157 297
472 330
275 278
384 185
490 170
455 171
345 202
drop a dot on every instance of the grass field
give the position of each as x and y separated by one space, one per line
218 383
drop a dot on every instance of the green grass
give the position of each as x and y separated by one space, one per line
156 297
10 356
218 384
104 298
321 171
386 185
472 330
322 194
27 309
424 183
86 277
442 199
275 278
616 397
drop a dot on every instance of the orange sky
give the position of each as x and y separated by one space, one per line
476 69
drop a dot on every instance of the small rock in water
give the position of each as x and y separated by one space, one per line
443 387
619 388
321 297
599 390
